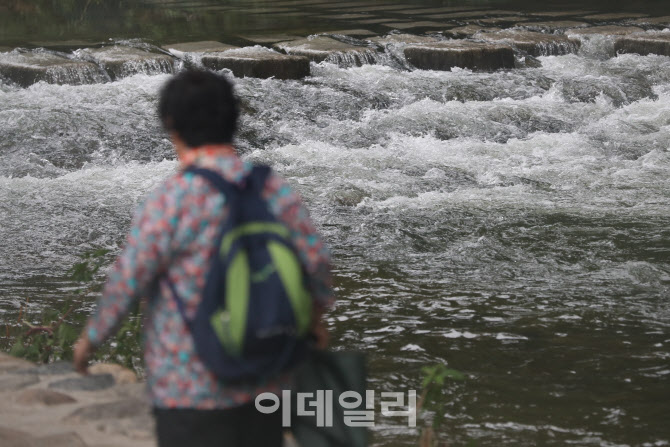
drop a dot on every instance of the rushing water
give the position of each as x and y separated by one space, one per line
513 225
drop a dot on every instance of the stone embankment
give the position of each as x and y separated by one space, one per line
467 39
52 406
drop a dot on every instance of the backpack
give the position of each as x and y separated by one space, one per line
255 311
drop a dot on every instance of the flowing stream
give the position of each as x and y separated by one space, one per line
512 225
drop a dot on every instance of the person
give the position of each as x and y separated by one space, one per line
172 238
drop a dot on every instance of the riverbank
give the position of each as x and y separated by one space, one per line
51 405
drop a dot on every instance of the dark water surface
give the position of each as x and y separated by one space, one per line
513 225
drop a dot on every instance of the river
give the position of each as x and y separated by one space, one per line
512 225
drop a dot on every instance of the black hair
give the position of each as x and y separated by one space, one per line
200 107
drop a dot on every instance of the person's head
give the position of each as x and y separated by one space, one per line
199 108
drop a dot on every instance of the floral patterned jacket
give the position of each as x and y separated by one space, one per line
172 236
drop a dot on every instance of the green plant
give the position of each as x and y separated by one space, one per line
435 380
54 337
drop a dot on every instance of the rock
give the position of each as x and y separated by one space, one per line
644 44
403 38
26 69
552 26
197 47
119 61
616 16
605 30
49 369
457 53
11 363
533 43
258 62
120 373
11 382
39 396
9 436
321 48
15 438
131 389
462 32
121 409
85 383
60 440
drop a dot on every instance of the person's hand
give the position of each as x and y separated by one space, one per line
82 352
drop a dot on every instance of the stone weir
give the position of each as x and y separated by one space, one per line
28 68
449 54
534 43
644 44
325 48
52 406
255 62
471 47
83 66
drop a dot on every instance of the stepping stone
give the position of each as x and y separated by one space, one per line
644 44
84 383
459 53
120 62
616 16
197 47
535 44
41 396
605 30
258 62
320 48
462 32
403 39
552 26
49 369
12 382
26 69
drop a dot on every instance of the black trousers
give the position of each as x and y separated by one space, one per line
242 426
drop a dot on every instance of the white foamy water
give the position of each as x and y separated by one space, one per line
470 214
